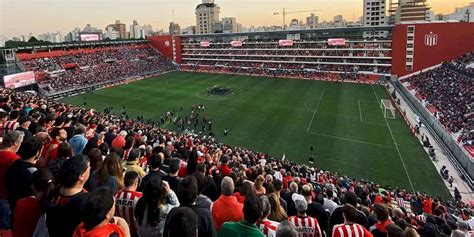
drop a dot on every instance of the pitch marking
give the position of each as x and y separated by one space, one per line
315 110
396 145
351 140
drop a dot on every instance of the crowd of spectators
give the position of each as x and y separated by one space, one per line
450 88
92 67
71 171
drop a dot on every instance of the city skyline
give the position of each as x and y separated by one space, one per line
64 16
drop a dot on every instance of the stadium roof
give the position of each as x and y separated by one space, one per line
319 30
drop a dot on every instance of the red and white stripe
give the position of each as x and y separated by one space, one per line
306 226
354 230
125 202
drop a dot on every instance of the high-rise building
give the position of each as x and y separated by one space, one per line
229 25
148 29
91 29
136 31
312 21
174 28
409 10
111 33
54 37
374 13
294 24
73 35
121 28
207 15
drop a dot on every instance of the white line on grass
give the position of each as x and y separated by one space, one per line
351 140
396 145
315 110
360 112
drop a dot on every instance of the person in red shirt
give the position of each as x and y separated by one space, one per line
428 205
50 149
98 219
226 207
224 167
119 141
29 209
10 145
349 228
126 200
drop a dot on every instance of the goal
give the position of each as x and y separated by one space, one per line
388 108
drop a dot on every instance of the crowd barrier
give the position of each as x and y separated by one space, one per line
459 158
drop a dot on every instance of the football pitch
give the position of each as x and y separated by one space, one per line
342 121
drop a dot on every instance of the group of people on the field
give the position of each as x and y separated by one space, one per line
70 171
450 88
88 68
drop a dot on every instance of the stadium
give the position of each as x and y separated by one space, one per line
382 123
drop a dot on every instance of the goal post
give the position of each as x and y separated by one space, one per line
388 109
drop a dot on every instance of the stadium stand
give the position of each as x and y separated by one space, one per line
68 144
354 60
448 91
62 70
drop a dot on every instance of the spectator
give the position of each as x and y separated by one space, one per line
266 226
187 194
50 148
24 123
315 208
153 208
350 227
29 209
383 220
277 214
126 201
252 211
286 229
132 162
226 207
337 216
172 177
78 142
110 174
67 201
305 225
119 141
19 174
154 163
98 219
182 222
259 189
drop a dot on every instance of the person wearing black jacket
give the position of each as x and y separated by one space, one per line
24 123
187 194
154 162
18 175
315 209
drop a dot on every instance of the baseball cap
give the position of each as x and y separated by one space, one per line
300 202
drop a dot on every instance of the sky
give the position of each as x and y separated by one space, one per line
21 17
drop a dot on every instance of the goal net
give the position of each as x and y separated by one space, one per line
387 108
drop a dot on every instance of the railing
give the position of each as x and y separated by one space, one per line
458 157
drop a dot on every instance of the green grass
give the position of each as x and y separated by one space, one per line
342 121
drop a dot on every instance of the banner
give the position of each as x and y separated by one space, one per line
236 43
14 81
336 41
285 42
205 44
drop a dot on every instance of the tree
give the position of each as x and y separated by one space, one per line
32 40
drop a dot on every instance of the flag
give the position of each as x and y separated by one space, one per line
283 158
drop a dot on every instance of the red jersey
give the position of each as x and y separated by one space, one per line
268 227
26 216
6 159
306 226
427 206
125 202
354 230
106 230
